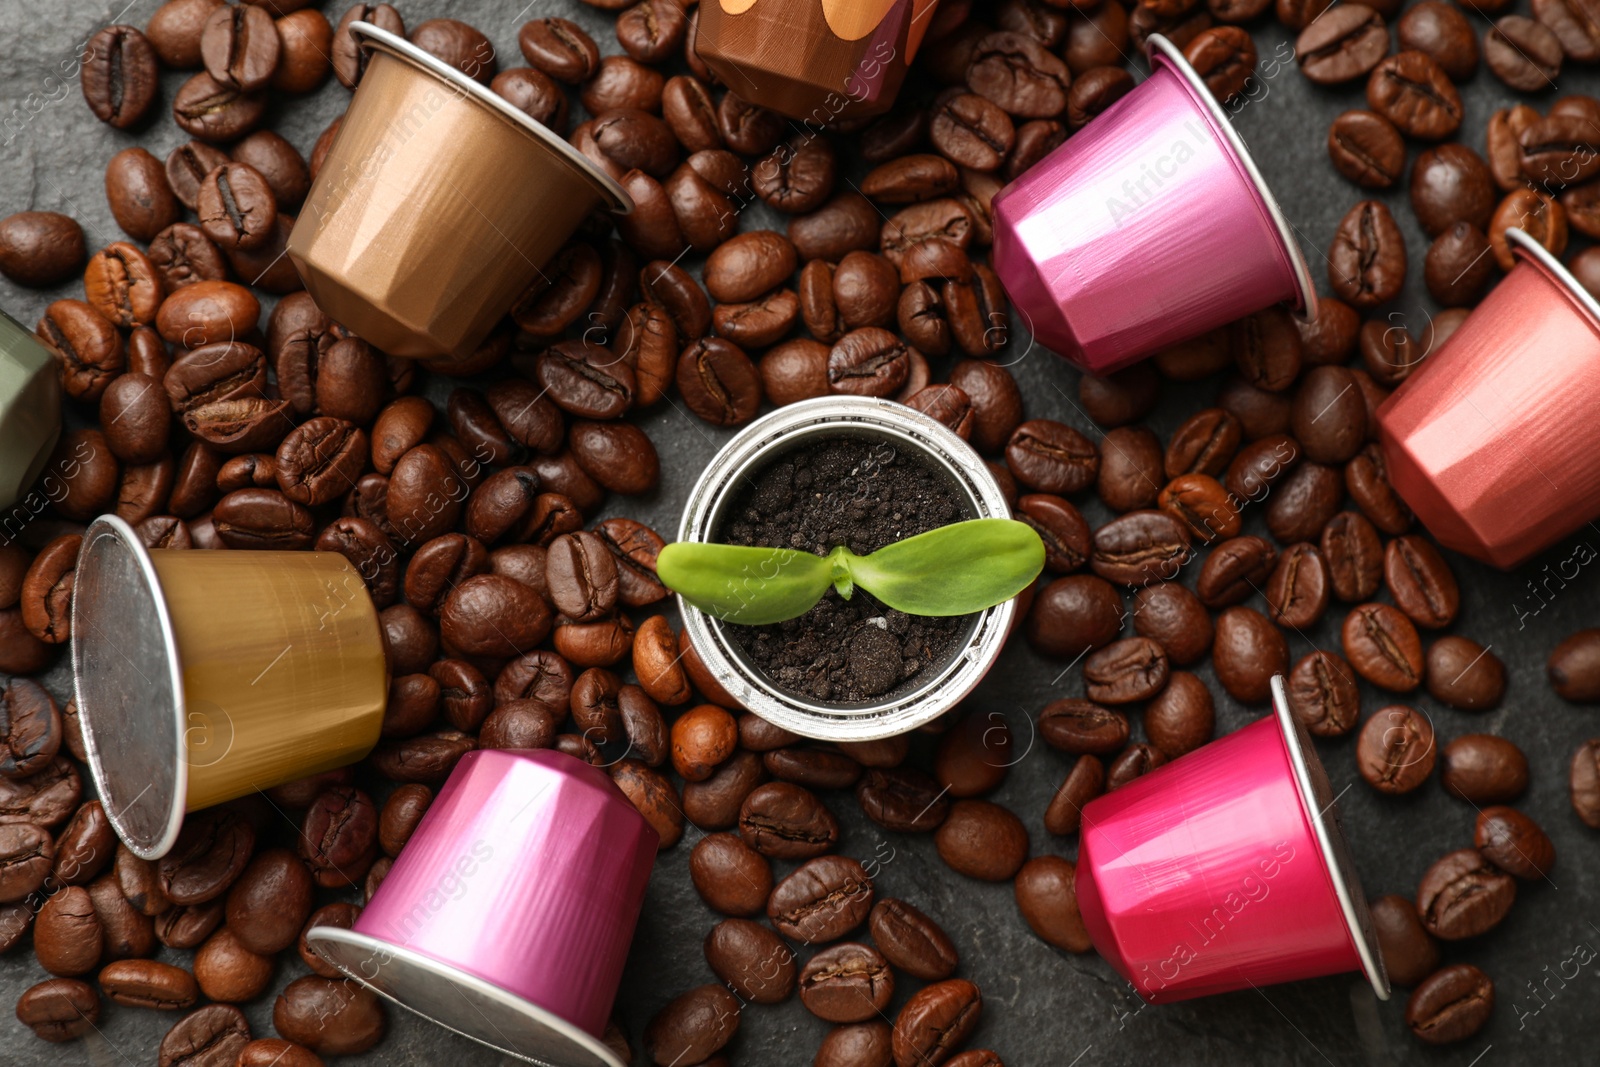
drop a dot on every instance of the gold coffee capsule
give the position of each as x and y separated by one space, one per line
438 205
207 675
30 414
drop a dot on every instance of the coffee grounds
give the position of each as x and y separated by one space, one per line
864 494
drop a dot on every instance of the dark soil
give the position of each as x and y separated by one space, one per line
864 494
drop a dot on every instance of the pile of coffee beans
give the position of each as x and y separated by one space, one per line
516 615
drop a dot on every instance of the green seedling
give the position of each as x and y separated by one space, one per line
954 570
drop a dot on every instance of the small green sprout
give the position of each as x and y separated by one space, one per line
954 570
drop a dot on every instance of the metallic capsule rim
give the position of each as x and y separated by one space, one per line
110 526
1159 48
332 943
1524 244
370 37
862 722
1323 816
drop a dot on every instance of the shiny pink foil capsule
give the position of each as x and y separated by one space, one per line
1495 440
508 915
1149 226
1226 869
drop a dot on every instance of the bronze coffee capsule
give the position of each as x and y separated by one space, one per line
815 60
438 205
208 675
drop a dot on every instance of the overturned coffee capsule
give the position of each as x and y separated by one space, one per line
508 915
1149 226
815 60
205 676
30 418
1493 440
438 205
1226 869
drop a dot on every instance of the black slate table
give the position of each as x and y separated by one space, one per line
1042 1007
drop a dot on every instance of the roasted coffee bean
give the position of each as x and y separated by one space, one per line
1019 74
702 738
1458 267
40 249
936 1021
1383 647
149 984
730 876
1442 31
240 47
187 927
227 971
1450 183
972 759
1072 615
1410 953
1203 444
307 47
85 846
1328 417
1524 54
844 224
752 960
582 576
650 791
67 936
1574 667
1354 553
1411 91
656 664
866 362
127 933
216 1033
1126 671
1534 212
912 941
1450 1005
339 836
1367 260
982 840
972 131
332 1018
716 802
1514 842
211 851
1366 148
1483 769
911 179
1342 45
719 383
46 798
1181 718
1261 414
30 722
1235 570
120 75
902 799
26 858
560 48
1140 548
491 615
59 1009
1225 59
1083 727
1174 617
1305 502
1464 895
1130 475
1266 349
211 111
1049 904
1247 652
1395 751
694 1027
1093 91
269 903
1082 784
846 983
1297 591
1065 534
1323 695
824 899
1420 581
237 207
1583 783
787 821
812 767
1260 465
1463 674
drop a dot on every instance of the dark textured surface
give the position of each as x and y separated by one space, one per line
1042 1007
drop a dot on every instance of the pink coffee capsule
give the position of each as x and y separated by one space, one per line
1149 226
1226 869
1493 440
508 915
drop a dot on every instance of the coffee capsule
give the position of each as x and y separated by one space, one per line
1149 226
508 915
30 414
806 423
1226 869
1492 440
438 205
204 676
814 60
